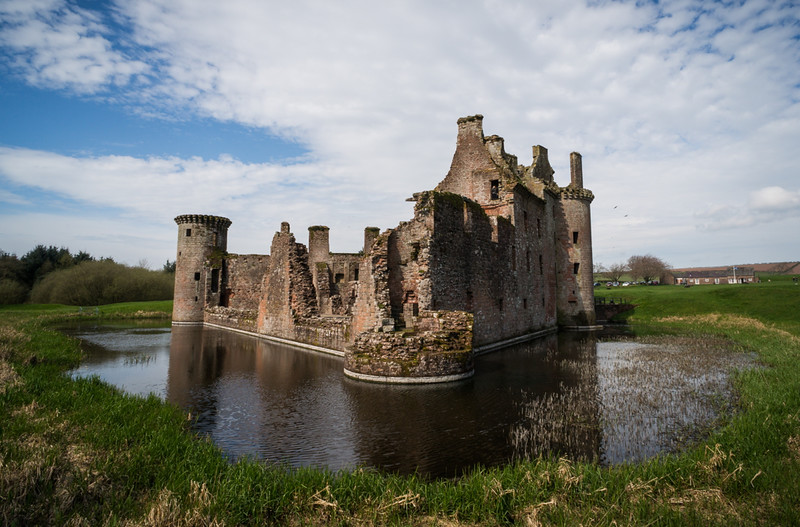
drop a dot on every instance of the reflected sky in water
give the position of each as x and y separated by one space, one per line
295 407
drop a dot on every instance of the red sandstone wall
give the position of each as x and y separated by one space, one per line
288 291
575 290
244 279
199 237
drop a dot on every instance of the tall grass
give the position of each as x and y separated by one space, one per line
83 453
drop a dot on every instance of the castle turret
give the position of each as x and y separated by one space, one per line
202 241
574 246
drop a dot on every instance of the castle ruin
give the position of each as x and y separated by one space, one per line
496 254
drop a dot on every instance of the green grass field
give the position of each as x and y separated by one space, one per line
775 302
80 452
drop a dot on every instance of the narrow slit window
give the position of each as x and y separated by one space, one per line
197 276
524 303
214 280
574 237
513 257
528 260
575 267
500 304
494 189
188 232
539 227
541 265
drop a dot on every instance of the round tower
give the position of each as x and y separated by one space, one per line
197 271
574 239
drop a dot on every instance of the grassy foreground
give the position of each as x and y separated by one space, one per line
82 453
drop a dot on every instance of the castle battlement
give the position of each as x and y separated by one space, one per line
496 253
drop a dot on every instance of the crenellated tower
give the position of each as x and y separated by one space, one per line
202 242
575 301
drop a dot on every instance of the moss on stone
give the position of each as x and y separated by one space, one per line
215 258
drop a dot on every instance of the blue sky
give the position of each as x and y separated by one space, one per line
115 117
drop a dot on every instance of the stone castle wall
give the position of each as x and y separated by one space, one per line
495 253
201 238
244 278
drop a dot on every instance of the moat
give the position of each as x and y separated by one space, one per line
563 395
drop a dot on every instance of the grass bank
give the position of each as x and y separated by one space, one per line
80 452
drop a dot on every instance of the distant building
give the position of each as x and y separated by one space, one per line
730 275
496 253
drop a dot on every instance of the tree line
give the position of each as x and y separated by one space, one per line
647 268
54 275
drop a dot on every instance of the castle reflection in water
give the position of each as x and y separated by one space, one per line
261 399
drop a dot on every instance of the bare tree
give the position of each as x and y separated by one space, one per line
647 267
615 271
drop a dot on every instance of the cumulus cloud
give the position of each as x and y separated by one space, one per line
674 105
770 199
765 205
56 44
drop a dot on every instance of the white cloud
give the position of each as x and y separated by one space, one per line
770 199
12 198
63 46
681 109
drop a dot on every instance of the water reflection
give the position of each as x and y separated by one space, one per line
287 405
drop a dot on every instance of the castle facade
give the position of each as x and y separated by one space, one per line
496 254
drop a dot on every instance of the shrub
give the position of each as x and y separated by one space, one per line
12 292
102 282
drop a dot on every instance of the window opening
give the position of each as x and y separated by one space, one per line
197 276
338 278
355 275
575 267
494 189
214 280
500 304
541 265
188 232
524 303
513 257
539 227
528 260
574 237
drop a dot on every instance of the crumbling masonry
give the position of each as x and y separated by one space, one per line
497 253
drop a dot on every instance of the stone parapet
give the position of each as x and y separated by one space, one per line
241 319
442 351
577 193
204 219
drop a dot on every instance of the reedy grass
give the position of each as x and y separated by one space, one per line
84 453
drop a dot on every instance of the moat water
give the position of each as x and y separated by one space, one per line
565 395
